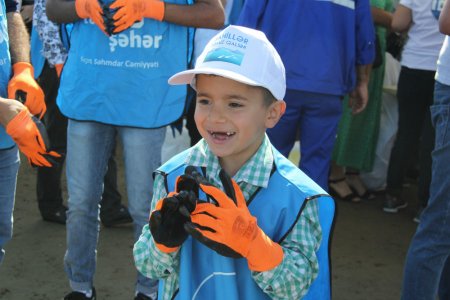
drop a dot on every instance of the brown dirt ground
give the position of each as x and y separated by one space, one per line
368 252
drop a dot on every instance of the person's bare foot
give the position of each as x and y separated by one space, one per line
340 189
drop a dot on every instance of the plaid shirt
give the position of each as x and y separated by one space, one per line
289 280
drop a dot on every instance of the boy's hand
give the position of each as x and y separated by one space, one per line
23 82
29 134
231 230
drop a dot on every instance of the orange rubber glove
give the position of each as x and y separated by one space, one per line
28 132
23 82
131 11
231 225
90 9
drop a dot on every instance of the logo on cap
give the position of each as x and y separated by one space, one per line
225 55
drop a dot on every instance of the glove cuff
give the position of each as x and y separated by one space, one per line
165 249
20 67
264 254
154 9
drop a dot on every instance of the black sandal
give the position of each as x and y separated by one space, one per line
352 197
366 195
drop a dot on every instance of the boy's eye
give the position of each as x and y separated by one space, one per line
203 101
235 105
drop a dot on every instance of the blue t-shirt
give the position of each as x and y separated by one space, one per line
319 41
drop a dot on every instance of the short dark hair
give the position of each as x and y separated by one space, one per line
268 97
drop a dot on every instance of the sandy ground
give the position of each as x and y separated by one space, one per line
368 252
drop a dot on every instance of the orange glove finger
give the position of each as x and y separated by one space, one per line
222 199
38 160
26 133
118 4
208 221
122 27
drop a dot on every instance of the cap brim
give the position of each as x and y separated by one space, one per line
186 77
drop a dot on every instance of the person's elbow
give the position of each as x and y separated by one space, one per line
51 11
216 19
444 26
399 26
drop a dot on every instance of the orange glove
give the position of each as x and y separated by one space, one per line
230 225
90 9
58 68
28 133
23 82
131 11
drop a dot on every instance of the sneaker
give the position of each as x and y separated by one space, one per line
116 217
393 204
56 216
141 296
80 296
419 214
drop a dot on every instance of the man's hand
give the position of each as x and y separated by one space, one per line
29 135
230 228
90 9
23 81
131 11
358 98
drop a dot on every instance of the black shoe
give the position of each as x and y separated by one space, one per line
393 204
141 296
56 216
116 217
80 296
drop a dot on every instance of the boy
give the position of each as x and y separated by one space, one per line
240 84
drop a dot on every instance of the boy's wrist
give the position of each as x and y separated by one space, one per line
264 254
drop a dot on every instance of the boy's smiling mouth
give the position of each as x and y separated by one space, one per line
221 135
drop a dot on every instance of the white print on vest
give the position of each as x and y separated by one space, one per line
132 39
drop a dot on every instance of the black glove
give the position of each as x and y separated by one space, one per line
166 222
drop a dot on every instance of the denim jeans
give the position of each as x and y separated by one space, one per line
427 267
9 166
89 146
314 119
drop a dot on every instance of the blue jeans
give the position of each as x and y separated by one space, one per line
89 147
314 119
9 166
427 267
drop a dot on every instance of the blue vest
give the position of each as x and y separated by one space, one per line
122 79
37 59
5 70
204 274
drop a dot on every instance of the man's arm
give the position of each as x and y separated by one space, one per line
8 110
203 13
444 19
19 46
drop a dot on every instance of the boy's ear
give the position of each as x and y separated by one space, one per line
274 113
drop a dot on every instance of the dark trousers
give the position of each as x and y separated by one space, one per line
415 96
49 194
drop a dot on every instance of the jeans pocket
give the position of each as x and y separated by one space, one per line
440 116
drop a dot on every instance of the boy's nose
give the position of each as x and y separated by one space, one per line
216 114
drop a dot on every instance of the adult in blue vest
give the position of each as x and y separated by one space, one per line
326 47
15 117
48 55
112 85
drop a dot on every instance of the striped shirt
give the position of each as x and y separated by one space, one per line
290 279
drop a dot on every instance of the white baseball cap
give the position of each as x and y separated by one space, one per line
240 54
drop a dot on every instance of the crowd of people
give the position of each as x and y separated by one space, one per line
230 217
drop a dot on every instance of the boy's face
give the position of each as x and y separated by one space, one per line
232 117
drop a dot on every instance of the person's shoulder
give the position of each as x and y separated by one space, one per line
175 161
